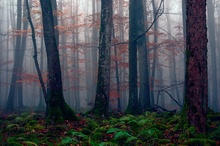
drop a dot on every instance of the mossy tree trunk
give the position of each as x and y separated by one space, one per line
58 110
103 85
196 66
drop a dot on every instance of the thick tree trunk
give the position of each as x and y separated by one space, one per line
58 110
196 65
144 95
133 107
103 85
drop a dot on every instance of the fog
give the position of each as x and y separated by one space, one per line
78 27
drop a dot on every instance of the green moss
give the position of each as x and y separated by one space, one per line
54 116
68 113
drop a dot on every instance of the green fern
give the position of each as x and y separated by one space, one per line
108 144
113 130
66 140
121 135
29 143
80 136
131 139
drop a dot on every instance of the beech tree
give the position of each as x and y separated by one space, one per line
103 83
133 107
196 97
58 110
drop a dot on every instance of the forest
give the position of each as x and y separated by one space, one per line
109 72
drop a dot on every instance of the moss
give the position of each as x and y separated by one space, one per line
54 116
58 114
68 113
192 132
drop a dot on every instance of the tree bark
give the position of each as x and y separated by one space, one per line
103 84
133 107
196 65
144 95
58 110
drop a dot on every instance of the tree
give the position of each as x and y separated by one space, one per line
212 44
196 66
103 84
17 66
133 107
144 95
58 110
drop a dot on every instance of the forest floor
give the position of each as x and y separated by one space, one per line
149 129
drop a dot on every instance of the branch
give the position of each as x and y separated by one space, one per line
35 54
180 83
173 98
157 15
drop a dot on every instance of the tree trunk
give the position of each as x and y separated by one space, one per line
144 95
196 66
212 45
154 54
58 110
23 46
133 107
12 90
103 85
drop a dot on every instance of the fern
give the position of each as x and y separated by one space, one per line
131 139
108 144
66 140
144 122
29 143
80 135
113 130
121 135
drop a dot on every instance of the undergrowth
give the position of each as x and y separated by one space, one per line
150 129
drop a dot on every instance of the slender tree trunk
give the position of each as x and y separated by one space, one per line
94 44
12 90
154 54
212 45
23 46
103 85
117 74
